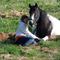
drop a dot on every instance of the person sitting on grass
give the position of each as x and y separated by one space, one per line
23 36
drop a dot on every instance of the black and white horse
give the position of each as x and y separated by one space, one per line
46 25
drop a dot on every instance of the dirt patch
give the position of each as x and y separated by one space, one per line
7 37
48 50
12 13
12 57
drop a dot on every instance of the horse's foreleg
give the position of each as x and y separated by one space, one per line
51 37
45 38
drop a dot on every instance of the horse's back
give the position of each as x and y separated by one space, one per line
53 19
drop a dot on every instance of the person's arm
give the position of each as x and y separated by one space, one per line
30 34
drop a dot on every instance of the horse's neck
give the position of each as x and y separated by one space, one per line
42 17
37 14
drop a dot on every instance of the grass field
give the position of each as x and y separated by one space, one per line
49 50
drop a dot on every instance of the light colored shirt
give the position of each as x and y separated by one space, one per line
22 30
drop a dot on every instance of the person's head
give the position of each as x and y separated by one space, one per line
25 19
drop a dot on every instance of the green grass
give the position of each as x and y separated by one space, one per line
51 53
51 6
8 25
49 50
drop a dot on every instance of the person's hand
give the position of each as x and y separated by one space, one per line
37 40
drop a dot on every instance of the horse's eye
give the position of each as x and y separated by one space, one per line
34 9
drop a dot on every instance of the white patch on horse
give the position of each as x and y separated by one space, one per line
56 28
56 25
32 16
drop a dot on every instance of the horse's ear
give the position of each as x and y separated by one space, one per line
30 5
36 4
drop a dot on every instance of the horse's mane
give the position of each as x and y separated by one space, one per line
43 14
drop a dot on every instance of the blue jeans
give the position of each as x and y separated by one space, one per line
30 41
25 41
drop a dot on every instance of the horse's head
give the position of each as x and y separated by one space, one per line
34 12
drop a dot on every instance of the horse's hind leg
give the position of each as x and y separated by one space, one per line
54 37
